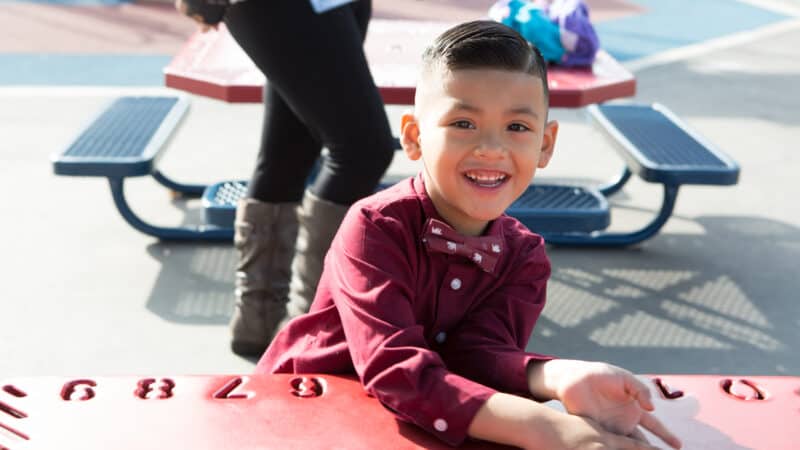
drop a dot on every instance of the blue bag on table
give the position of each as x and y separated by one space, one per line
560 29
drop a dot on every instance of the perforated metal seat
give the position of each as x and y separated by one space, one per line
659 148
541 208
124 140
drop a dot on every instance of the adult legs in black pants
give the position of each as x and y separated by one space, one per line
319 93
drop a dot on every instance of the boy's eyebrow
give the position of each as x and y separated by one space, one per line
462 106
525 110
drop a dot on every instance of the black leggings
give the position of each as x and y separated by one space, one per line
319 93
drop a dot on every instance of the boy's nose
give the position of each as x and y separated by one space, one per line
489 148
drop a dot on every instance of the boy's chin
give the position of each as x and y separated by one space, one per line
487 215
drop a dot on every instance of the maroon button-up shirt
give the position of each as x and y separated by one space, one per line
430 334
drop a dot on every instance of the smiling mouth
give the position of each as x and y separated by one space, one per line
486 180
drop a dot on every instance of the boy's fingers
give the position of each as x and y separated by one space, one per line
641 392
652 424
626 443
639 436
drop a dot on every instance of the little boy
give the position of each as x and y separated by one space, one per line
430 292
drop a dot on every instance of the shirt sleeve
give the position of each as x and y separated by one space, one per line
489 345
371 286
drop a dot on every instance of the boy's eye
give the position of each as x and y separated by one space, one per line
518 127
463 124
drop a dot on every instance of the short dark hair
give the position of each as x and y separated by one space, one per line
485 44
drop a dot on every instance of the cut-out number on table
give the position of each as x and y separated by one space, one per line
145 388
78 390
743 389
10 414
307 387
666 391
233 389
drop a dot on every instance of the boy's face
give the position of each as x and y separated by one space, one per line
481 134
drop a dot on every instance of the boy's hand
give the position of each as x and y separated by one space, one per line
579 433
521 422
610 395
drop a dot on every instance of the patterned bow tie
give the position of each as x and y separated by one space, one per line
483 250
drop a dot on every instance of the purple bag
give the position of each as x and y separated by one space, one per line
578 37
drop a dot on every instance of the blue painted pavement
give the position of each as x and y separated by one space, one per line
664 25
668 24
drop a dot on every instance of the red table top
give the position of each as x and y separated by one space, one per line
213 64
325 411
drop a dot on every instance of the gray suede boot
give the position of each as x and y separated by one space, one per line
319 220
265 235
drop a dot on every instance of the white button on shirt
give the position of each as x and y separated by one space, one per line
441 337
440 425
455 284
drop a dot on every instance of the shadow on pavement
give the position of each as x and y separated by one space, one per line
195 285
721 302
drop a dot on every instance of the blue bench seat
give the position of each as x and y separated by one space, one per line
659 148
541 208
126 139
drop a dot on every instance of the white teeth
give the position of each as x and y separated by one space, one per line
486 178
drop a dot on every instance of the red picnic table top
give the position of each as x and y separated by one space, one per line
325 411
213 64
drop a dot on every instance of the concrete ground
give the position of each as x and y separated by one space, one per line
715 292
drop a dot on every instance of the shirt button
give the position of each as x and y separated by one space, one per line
440 425
441 337
455 284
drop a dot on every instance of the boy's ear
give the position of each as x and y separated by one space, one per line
548 143
409 136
